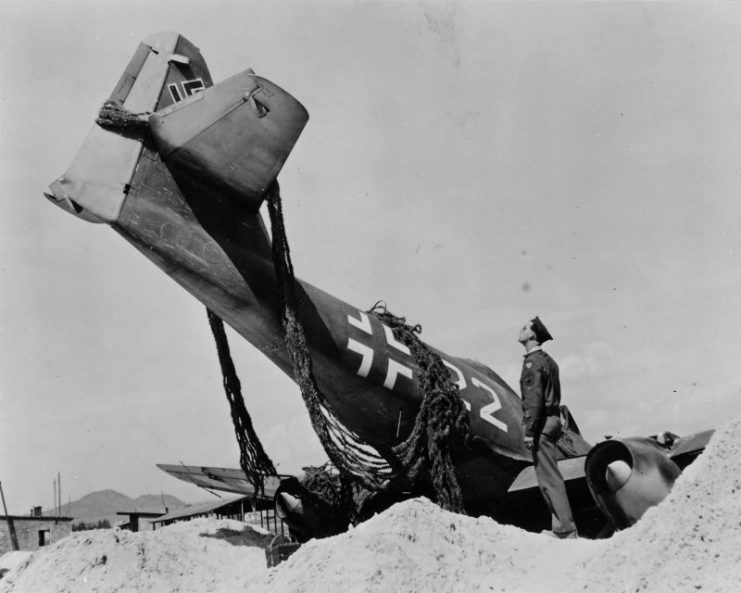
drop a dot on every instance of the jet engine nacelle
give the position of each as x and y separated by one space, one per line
628 476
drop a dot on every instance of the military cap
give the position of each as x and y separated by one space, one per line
541 331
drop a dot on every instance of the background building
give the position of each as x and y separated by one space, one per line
32 531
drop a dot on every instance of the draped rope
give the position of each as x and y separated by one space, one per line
253 459
440 422
346 450
425 455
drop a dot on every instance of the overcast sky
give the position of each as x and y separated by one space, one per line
471 164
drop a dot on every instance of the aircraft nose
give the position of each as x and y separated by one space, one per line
617 474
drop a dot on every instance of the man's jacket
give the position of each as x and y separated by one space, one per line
541 391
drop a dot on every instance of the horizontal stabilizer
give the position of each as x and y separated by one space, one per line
235 135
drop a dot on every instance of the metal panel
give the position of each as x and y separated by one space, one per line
121 91
235 135
571 469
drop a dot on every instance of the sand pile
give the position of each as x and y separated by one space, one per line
689 543
11 560
415 546
180 558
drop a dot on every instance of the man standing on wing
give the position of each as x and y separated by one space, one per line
541 413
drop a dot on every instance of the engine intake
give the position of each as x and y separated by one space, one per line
628 476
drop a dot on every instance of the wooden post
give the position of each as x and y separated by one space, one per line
11 527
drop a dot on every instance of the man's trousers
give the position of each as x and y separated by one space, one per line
551 481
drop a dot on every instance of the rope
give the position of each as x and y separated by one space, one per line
346 450
328 494
442 417
252 457
332 487
112 115
442 420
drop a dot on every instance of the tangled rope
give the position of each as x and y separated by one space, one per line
252 457
334 488
113 116
442 420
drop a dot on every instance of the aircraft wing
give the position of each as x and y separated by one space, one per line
220 479
572 469
684 450
619 478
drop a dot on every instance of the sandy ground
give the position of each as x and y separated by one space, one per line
689 543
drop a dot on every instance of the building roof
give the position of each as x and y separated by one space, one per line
35 518
142 513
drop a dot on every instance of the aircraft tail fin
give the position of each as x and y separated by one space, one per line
165 68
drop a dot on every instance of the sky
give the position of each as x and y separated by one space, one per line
472 164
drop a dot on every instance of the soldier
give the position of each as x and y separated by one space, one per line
541 399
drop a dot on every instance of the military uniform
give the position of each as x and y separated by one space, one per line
541 399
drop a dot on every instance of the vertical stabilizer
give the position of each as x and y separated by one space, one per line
165 68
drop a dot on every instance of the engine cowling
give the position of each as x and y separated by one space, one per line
628 476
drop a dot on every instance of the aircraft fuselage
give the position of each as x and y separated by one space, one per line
219 251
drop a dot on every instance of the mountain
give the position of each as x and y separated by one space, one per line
105 504
156 501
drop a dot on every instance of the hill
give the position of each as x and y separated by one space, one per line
105 504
